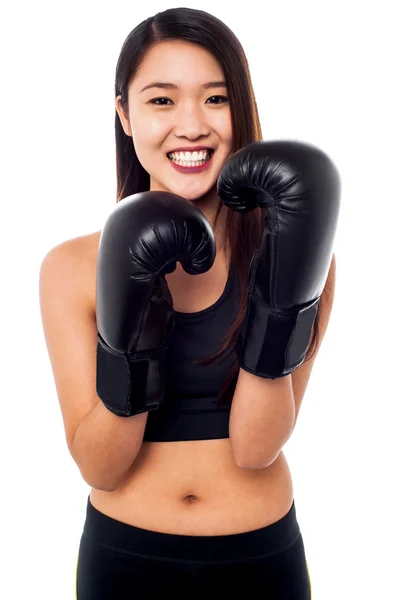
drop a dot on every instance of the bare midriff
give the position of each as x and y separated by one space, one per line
195 487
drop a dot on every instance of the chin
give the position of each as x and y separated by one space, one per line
190 194
195 198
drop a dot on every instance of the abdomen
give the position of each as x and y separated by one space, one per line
196 488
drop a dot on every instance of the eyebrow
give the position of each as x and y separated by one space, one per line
172 86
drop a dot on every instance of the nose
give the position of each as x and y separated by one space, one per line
191 121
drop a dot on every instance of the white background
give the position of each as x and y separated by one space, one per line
323 72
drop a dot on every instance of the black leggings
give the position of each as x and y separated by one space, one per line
117 561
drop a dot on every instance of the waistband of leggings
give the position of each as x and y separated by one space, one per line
237 546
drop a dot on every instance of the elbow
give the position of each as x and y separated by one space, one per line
251 464
252 456
105 480
104 488
95 479
96 483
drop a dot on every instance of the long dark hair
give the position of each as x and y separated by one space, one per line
242 230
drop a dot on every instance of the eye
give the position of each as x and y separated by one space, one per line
224 99
156 100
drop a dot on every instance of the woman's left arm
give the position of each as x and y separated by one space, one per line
264 411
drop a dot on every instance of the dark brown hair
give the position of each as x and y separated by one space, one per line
242 230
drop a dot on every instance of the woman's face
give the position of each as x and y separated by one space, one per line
161 120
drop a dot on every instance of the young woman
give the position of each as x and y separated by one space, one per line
191 492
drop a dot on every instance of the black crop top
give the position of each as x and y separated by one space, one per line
188 410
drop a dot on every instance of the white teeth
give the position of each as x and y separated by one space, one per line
190 159
190 156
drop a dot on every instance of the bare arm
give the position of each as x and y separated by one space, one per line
105 446
102 444
261 419
264 411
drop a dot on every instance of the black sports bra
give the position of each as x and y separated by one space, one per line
188 410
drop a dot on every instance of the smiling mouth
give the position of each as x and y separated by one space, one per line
191 163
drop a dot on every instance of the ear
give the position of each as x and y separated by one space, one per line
123 118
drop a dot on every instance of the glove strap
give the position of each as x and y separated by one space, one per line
273 342
129 385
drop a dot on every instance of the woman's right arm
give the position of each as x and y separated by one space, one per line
102 444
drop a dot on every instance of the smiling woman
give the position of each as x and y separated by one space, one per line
188 115
191 492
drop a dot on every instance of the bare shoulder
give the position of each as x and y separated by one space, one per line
76 259
83 247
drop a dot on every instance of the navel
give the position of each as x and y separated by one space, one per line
190 499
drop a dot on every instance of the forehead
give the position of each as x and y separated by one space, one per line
183 63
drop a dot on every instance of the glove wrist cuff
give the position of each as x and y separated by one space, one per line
129 385
273 342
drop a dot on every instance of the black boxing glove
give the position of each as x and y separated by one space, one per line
300 188
141 241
